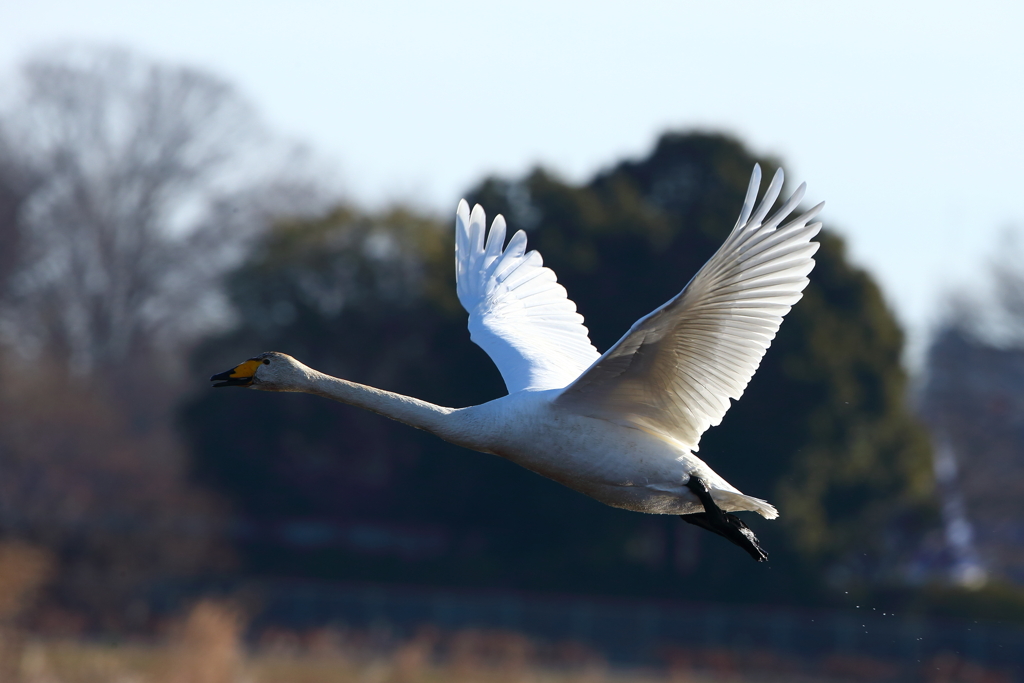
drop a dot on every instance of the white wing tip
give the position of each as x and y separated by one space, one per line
462 215
477 215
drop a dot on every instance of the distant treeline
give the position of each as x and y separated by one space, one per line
142 253
329 492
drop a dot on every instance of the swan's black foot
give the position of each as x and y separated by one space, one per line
722 523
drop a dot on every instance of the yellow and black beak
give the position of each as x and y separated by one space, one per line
238 376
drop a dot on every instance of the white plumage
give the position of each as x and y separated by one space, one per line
518 313
620 427
675 370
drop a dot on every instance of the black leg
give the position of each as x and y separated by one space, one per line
722 523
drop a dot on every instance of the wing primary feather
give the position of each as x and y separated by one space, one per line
787 208
462 230
676 369
477 227
769 199
748 202
495 239
518 313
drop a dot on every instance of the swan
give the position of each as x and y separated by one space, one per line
622 427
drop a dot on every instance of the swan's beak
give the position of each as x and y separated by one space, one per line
238 376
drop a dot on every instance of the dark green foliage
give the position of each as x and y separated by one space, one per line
822 430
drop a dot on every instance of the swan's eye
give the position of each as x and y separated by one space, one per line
266 361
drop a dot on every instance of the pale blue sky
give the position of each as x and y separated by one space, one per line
905 118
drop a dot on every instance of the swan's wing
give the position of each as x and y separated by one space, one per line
675 370
518 313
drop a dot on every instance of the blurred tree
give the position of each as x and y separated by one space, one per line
973 401
126 190
120 242
107 500
16 184
822 430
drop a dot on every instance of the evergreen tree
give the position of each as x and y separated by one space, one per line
822 431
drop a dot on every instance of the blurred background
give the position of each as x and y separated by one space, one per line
186 185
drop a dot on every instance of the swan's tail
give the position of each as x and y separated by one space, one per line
733 501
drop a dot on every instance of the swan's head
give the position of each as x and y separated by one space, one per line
270 371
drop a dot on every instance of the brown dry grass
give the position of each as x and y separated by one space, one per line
75 662
207 647
24 569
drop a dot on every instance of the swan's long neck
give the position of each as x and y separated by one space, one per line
411 411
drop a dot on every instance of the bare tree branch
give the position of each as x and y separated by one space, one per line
120 236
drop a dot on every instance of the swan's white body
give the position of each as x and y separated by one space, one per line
619 466
620 427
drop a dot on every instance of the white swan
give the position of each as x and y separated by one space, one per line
620 427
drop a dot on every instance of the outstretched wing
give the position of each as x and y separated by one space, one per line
675 370
518 313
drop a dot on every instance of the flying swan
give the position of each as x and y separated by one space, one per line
620 427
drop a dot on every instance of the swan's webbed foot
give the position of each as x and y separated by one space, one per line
722 523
